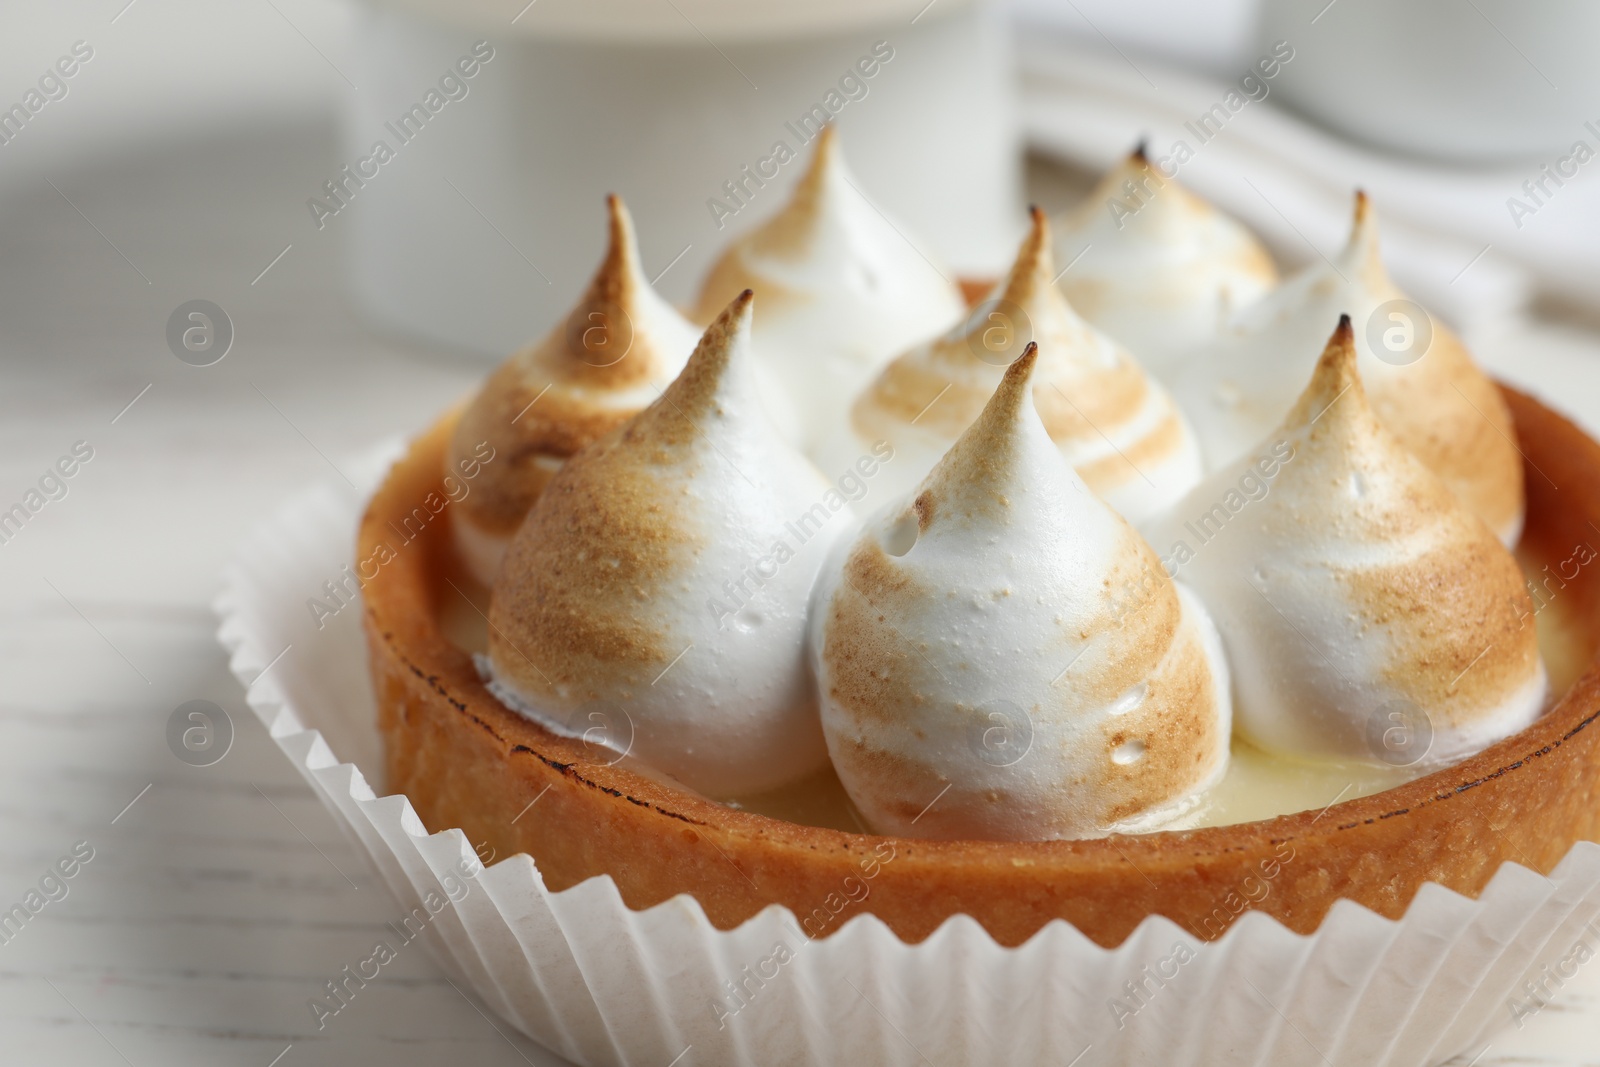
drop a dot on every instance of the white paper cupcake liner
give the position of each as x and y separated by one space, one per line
601 984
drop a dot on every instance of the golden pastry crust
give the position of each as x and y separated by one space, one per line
466 761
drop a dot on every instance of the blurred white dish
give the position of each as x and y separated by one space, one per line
477 236
1485 81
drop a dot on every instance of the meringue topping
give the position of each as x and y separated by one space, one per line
842 289
1367 614
661 582
1422 382
1110 420
1157 267
980 677
610 357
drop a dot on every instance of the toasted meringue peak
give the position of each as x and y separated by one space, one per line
842 290
1421 381
1155 266
1367 614
1111 421
661 583
1000 657
1334 375
611 355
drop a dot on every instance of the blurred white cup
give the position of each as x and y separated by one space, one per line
485 225
1467 80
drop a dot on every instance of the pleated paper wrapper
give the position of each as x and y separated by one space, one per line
600 984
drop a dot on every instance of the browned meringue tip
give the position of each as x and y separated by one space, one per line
702 376
1343 334
1000 413
1139 156
1334 377
614 288
725 328
611 302
789 232
621 262
1361 249
1176 203
1013 390
985 453
1031 270
621 231
827 143
823 158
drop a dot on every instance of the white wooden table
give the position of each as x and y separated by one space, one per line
223 897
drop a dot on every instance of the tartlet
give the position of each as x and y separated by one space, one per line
465 760
545 716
